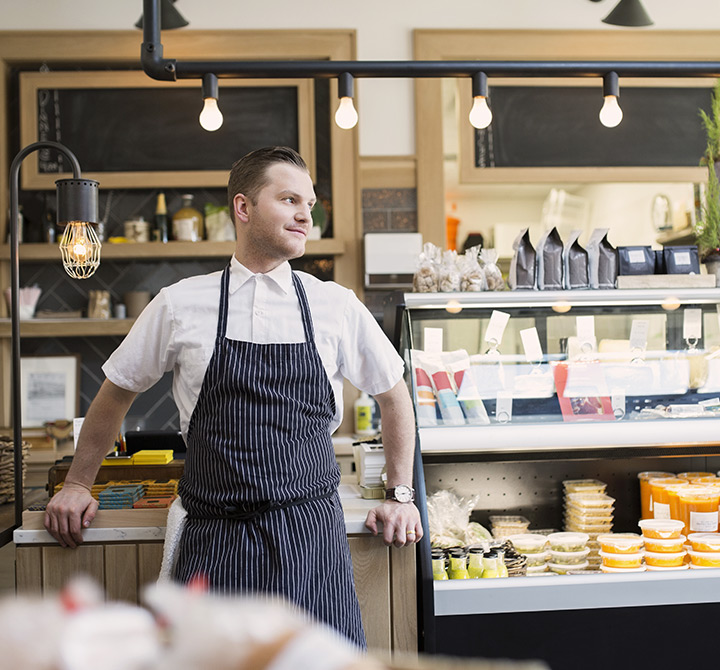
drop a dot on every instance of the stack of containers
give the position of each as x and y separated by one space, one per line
568 552
588 510
664 544
504 526
621 552
704 550
534 548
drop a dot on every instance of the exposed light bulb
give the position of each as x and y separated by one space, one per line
480 115
346 116
611 114
80 249
211 117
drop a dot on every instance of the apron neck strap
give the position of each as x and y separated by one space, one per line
304 309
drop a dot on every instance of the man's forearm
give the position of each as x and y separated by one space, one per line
398 434
97 436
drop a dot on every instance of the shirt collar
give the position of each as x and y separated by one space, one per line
239 274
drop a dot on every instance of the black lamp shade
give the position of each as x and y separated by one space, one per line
628 13
170 18
77 200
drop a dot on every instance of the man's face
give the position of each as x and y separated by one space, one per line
275 227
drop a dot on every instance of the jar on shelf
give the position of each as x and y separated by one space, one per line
187 222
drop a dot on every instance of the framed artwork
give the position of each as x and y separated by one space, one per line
50 389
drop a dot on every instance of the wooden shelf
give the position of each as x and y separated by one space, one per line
149 250
68 327
683 236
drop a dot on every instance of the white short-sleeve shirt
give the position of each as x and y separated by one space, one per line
177 330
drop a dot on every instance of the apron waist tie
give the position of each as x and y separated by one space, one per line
263 508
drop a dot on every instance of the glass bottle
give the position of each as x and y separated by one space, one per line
501 567
438 565
160 234
490 565
475 563
458 565
187 221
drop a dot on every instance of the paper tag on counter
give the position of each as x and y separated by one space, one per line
585 327
638 335
496 328
503 407
531 345
692 324
617 398
433 340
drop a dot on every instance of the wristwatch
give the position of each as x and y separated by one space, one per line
401 494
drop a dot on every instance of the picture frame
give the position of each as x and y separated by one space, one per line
50 389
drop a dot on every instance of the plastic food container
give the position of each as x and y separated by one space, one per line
699 509
590 512
533 560
594 500
504 526
527 543
606 568
584 486
587 528
622 560
568 541
665 546
564 568
704 541
645 497
621 543
705 559
662 529
664 560
684 566
569 557
693 475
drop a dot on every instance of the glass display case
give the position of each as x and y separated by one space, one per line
516 392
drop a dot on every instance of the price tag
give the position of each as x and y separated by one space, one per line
531 345
503 407
638 335
433 340
692 324
617 398
636 256
496 328
682 258
585 326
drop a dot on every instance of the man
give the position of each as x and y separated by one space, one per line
259 354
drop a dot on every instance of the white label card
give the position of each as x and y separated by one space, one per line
585 328
503 407
636 256
77 425
617 397
496 327
433 340
704 522
692 324
661 510
639 334
531 345
682 258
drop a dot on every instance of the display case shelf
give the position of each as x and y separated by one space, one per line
68 327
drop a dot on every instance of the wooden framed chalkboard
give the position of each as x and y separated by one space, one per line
556 128
128 130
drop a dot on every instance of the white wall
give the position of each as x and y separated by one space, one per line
384 32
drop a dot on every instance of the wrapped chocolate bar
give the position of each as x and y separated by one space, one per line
522 265
550 261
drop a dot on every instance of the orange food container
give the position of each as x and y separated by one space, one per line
699 509
705 559
665 546
693 475
705 480
673 494
622 560
661 529
705 541
620 543
646 506
660 501
664 560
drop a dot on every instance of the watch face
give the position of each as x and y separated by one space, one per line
403 494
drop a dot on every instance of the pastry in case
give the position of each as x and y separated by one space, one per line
569 557
661 529
584 486
568 541
665 546
611 560
620 543
705 559
664 560
704 541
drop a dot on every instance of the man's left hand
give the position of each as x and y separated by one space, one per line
400 523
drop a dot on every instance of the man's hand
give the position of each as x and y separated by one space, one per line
400 522
69 511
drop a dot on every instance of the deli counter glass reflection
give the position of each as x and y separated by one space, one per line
559 369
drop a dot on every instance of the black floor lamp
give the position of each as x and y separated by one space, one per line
77 206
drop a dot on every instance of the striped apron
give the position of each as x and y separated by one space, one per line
260 479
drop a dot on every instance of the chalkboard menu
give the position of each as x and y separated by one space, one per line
127 129
552 126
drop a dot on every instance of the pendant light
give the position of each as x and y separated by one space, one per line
611 114
480 115
211 117
346 116
629 13
170 18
